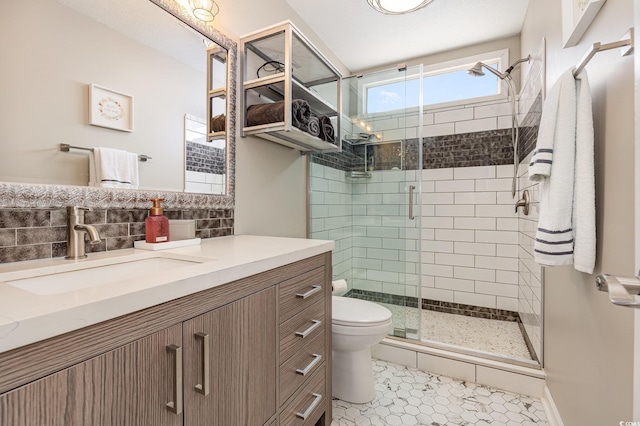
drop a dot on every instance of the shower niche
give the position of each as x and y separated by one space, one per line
291 92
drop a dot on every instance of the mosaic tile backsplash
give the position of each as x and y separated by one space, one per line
27 234
205 159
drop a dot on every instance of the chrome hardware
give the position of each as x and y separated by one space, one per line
65 147
175 406
622 290
314 290
524 203
411 189
76 229
316 359
303 334
203 387
312 407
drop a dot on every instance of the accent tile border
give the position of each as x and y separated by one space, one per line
436 305
28 234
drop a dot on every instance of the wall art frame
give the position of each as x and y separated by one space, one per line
109 108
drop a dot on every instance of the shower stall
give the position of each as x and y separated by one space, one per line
419 205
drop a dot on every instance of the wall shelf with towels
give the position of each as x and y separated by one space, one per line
625 44
65 147
282 67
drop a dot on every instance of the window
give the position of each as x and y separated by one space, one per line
443 83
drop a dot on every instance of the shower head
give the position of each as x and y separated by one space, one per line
476 71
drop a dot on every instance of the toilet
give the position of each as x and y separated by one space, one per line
357 325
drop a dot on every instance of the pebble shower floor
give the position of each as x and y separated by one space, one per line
407 396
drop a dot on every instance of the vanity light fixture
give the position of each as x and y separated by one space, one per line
204 10
397 7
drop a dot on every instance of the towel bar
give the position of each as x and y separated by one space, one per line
622 290
626 45
65 147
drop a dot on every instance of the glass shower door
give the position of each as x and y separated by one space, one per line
383 133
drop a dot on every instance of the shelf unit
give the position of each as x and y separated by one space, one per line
216 89
285 65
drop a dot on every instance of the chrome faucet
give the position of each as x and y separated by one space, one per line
76 229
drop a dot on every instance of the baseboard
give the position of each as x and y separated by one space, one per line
553 416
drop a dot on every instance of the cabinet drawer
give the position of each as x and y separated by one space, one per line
301 292
301 329
301 366
308 405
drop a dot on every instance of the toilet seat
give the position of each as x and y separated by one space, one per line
349 312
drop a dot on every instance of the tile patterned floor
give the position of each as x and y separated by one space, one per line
493 336
406 396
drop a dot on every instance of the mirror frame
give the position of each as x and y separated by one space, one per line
22 195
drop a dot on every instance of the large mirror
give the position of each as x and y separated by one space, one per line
147 59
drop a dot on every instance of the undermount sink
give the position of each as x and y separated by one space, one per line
97 275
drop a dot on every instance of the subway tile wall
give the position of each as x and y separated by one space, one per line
470 237
530 274
386 249
28 234
474 245
331 215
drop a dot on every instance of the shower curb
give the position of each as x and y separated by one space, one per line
522 377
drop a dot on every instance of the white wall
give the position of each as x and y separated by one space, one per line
589 341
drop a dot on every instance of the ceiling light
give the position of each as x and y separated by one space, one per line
397 7
204 10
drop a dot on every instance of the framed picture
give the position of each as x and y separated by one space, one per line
577 15
111 109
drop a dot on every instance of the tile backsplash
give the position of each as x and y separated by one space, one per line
27 234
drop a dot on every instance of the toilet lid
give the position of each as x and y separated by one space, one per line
358 313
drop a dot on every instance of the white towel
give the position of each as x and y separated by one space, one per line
584 205
113 168
563 164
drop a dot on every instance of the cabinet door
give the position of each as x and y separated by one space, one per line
128 386
241 343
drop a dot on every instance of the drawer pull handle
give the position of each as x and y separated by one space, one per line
316 359
176 406
312 407
203 387
314 290
303 334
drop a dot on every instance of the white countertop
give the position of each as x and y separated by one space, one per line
27 317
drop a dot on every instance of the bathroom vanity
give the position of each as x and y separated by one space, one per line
238 334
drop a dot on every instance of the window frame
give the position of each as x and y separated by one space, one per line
500 56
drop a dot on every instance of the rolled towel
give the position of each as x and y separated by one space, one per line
274 113
327 132
313 127
301 113
218 123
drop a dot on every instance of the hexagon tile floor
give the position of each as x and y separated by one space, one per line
407 396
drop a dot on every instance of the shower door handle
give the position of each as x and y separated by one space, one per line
411 189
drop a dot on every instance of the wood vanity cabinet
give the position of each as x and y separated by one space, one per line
225 356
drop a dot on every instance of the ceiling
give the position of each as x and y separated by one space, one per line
363 38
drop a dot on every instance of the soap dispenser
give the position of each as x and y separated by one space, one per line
156 224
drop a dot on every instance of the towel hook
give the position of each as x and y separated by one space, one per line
524 202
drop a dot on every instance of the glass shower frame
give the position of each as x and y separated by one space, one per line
379 253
